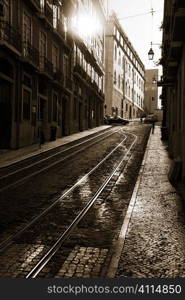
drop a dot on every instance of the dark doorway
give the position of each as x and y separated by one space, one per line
64 117
130 112
80 117
5 114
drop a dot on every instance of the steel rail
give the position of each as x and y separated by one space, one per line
29 156
50 156
52 251
20 181
10 239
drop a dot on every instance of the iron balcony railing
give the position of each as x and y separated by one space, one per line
10 35
78 69
59 28
36 4
46 66
58 76
68 83
30 53
47 12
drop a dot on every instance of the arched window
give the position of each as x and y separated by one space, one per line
119 81
115 77
115 52
119 60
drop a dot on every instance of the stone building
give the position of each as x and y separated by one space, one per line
51 73
173 83
124 79
151 91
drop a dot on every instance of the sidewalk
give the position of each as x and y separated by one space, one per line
152 239
9 156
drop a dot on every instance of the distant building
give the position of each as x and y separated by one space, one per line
124 76
151 91
51 69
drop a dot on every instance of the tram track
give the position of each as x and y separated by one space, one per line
9 176
12 239
52 251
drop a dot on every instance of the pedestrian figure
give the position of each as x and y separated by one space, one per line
141 119
153 126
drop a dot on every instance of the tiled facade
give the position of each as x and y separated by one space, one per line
124 81
51 82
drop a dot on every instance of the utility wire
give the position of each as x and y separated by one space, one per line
152 11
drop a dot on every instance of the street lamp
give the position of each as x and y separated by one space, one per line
150 54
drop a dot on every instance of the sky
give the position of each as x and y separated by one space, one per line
140 27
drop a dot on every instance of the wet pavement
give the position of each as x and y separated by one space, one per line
94 235
154 245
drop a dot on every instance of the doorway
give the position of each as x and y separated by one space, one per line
5 114
130 112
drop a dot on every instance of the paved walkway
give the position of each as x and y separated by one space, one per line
152 239
9 156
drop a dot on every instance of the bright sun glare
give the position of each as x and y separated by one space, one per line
85 25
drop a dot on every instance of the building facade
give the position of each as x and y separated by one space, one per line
173 83
124 80
51 76
151 91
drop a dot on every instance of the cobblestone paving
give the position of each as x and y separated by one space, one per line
20 204
101 226
19 259
155 241
83 262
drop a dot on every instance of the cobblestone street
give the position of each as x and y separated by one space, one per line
95 233
155 241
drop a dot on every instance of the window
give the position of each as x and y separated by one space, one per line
26 104
119 81
27 25
66 66
42 48
55 16
43 44
55 57
7 11
123 62
115 77
41 108
115 54
119 60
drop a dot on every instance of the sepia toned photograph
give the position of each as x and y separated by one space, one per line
92 139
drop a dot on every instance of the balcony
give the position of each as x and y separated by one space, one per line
95 86
178 25
179 3
68 7
80 71
47 13
35 4
59 28
30 54
58 76
10 36
68 83
46 67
